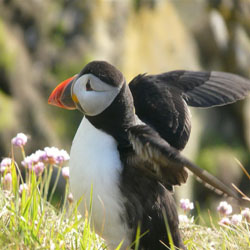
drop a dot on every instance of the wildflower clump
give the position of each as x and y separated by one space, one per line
39 164
225 210
50 155
28 220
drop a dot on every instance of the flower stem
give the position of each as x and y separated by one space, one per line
45 175
23 152
47 184
55 184
65 195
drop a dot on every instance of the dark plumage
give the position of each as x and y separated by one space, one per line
104 71
149 147
161 100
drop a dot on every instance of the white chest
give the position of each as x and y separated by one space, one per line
95 162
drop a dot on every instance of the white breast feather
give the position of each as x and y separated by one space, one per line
94 160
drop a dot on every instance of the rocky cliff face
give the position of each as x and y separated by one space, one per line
43 42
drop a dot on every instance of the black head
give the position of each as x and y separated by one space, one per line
110 106
96 86
105 72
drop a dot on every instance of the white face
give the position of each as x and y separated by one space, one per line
93 95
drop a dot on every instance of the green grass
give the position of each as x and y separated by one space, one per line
216 237
29 221
48 229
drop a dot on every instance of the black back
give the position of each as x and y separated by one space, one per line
161 100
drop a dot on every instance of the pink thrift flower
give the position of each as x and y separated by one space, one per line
5 163
20 140
34 158
236 219
62 156
224 208
22 187
224 221
51 151
246 214
186 205
30 160
65 173
26 162
38 168
52 154
41 155
56 156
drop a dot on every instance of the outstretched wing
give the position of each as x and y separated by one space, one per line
207 89
168 163
161 100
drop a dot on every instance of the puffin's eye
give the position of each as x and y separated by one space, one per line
88 86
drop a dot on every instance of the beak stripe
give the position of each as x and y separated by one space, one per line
74 98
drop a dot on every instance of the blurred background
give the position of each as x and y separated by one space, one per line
43 42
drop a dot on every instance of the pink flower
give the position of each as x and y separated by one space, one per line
246 214
236 219
41 155
186 205
5 163
50 155
30 160
34 158
20 140
65 173
224 221
62 156
22 187
224 208
51 151
38 168
56 156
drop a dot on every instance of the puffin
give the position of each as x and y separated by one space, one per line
126 155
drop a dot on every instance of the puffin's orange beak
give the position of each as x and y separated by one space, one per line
61 95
